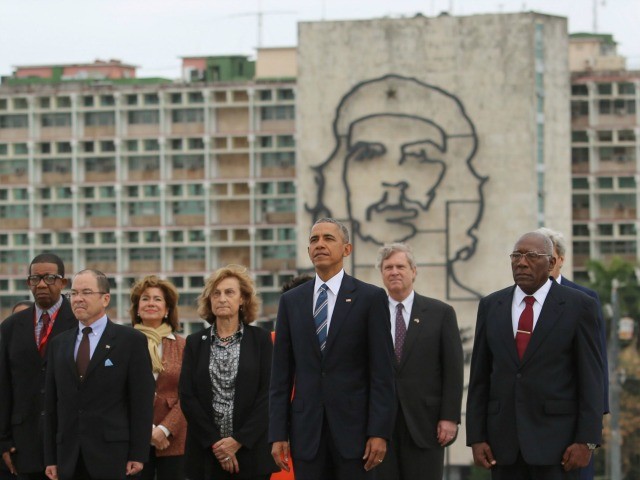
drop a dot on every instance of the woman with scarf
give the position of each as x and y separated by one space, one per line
154 311
224 384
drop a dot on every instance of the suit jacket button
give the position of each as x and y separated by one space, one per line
519 375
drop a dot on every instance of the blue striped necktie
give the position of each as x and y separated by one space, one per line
320 316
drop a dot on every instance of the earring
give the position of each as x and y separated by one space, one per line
166 316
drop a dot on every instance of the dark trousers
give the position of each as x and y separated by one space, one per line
521 471
81 472
329 464
27 476
163 468
588 472
406 461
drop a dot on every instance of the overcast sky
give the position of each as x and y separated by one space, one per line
154 34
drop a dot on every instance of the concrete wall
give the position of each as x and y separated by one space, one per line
429 130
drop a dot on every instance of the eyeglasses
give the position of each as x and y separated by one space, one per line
49 279
531 256
84 293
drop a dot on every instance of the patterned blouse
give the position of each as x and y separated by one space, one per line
223 369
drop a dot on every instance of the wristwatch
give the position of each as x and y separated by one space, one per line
592 446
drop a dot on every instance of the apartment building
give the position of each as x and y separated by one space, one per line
605 151
137 176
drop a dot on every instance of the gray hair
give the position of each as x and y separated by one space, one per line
556 238
343 229
548 244
391 248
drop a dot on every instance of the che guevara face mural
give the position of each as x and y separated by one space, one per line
402 165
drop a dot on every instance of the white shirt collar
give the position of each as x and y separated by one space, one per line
333 283
539 294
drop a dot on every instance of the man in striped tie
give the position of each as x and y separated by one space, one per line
333 342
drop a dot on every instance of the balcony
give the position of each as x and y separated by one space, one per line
144 220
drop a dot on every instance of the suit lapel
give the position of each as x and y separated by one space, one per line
104 348
505 325
346 298
417 320
26 333
548 319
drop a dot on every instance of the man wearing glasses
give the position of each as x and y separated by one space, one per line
23 344
534 406
99 392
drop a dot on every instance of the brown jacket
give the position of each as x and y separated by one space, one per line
166 406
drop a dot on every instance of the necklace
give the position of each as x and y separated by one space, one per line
223 339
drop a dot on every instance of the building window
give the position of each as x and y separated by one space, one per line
56 166
89 238
150 191
44 102
604 88
279 112
195 144
626 88
627 136
279 159
14 121
107 100
63 102
100 164
189 207
177 236
580 230
14 211
63 147
56 211
286 94
92 119
151 237
605 182
627 228
151 145
265 95
184 115
188 162
131 99
605 136
147 163
144 254
196 236
605 229
101 255
188 253
627 182
618 247
87 101
101 210
65 238
285 141
143 117
55 120
195 97
151 99
20 103
144 208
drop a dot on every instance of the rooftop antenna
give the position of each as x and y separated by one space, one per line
595 14
259 14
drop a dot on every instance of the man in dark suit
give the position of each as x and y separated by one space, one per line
534 407
429 372
559 252
23 345
333 342
99 392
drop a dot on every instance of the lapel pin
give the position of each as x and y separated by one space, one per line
417 320
107 347
204 337
347 300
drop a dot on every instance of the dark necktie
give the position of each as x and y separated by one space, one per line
320 316
83 357
525 326
46 320
401 332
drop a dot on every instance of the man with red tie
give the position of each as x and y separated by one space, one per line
23 344
534 407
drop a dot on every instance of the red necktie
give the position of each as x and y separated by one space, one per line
525 326
401 332
46 320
